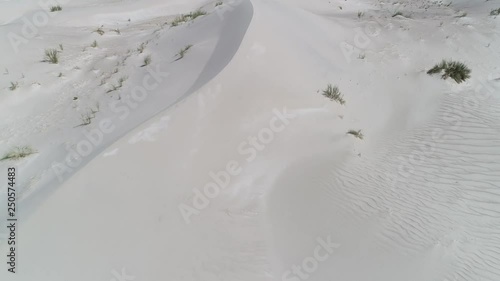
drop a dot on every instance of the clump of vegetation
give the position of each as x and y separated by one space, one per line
86 119
117 31
218 3
186 17
55 8
333 93
183 52
120 84
121 80
51 56
99 31
147 60
360 15
141 48
356 134
13 86
94 44
398 13
197 13
462 14
495 12
453 69
18 153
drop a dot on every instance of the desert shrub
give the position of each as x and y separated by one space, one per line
356 134
197 13
99 31
55 8
451 69
495 12
147 60
86 119
218 3
51 56
18 153
183 52
94 44
141 48
186 17
13 86
333 93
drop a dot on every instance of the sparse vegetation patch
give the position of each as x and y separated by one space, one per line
183 52
51 56
186 17
333 93
13 86
451 69
55 8
356 134
18 153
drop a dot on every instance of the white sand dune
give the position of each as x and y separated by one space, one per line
417 199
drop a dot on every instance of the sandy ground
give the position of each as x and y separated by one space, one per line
233 166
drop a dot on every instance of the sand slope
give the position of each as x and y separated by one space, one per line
416 199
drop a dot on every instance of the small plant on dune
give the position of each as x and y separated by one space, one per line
99 31
197 13
61 47
147 60
55 8
178 20
117 31
333 93
184 18
94 44
18 153
452 69
357 134
495 12
121 80
60 74
86 119
360 15
13 86
397 14
218 3
462 14
51 56
141 48
183 52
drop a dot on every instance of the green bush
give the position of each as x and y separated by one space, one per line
333 93
357 134
18 153
55 8
51 56
451 69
